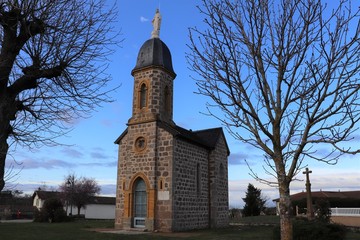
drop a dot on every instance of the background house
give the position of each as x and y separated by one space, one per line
39 197
345 206
99 208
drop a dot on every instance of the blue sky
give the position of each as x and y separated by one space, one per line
90 151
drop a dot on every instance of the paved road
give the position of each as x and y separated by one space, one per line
17 221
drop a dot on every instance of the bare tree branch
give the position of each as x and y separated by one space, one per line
53 62
285 77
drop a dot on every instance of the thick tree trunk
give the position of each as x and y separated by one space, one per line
286 212
3 152
5 131
4 147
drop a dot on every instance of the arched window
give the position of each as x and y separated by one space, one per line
161 184
143 95
222 170
167 99
198 178
140 205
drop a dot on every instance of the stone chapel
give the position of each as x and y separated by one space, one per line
169 178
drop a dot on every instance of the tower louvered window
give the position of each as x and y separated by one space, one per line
143 95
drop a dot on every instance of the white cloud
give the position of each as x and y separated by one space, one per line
143 19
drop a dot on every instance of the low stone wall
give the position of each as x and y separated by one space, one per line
349 221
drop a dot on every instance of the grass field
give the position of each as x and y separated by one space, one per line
87 230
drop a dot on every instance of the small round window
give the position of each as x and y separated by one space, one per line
140 143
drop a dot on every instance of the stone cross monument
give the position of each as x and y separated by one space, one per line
309 206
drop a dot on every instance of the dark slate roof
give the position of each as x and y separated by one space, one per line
210 136
206 138
46 194
154 52
95 200
117 141
325 194
103 200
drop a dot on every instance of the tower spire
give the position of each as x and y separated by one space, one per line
156 22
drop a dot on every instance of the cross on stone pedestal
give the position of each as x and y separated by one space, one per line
309 210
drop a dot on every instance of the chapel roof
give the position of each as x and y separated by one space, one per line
154 53
206 138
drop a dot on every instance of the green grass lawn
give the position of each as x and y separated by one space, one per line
85 230
258 220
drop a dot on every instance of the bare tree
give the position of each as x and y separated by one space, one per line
285 76
79 191
52 61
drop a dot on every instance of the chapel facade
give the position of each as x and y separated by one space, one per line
169 178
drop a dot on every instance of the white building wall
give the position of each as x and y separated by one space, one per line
92 211
38 202
74 210
100 211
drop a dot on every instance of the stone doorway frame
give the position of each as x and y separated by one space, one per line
150 198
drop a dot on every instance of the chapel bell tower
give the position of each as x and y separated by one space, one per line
169 178
153 80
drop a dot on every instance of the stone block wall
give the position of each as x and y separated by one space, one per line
158 106
219 185
164 175
186 184
132 163
190 187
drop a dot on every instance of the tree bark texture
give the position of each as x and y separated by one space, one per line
286 211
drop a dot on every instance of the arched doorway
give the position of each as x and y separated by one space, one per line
140 203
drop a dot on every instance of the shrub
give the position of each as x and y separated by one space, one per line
60 215
52 211
314 230
38 215
323 210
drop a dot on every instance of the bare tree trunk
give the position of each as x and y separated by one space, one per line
7 113
5 130
3 151
286 228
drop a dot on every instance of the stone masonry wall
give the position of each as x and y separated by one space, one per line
219 185
156 80
121 185
163 210
190 187
154 162
133 162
